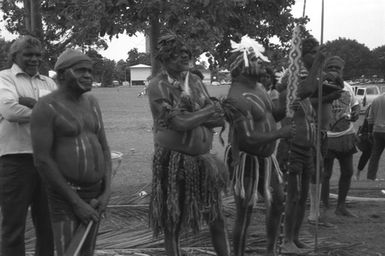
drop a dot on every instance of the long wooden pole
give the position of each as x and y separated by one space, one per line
304 8
319 157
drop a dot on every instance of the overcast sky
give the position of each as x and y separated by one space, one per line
361 20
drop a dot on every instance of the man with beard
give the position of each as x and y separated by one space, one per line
187 180
252 140
71 152
20 184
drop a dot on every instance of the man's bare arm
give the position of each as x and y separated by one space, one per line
260 138
103 199
309 86
180 120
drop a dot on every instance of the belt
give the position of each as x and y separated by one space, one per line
17 156
80 187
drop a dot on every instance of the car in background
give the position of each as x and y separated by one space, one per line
354 88
366 95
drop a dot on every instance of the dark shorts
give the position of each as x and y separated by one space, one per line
342 145
296 159
61 209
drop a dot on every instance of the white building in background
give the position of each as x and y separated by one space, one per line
51 73
139 73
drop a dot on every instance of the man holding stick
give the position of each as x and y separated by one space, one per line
252 141
72 154
297 155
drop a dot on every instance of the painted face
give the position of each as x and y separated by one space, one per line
79 77
266 81
179 61
309 57
333 67
256 67
29 60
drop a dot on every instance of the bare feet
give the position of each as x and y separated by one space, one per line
321 223
270 253
301 245
342 211
291 249
356 177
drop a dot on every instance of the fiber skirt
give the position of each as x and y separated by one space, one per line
186 190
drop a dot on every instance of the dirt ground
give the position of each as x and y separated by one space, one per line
128 126
361 236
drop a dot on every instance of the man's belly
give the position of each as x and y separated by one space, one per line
80 160
195 142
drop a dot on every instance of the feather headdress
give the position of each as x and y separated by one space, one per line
250 48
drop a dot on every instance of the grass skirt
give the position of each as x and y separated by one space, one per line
186 190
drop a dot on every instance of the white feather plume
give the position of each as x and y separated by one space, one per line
247 45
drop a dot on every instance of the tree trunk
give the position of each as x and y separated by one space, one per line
36 23
154 36
27 15
34 26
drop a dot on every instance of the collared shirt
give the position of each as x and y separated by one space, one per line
15 134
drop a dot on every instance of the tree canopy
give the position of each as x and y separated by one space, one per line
379 55
208 25
359 60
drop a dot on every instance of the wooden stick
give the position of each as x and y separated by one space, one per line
81 242
318 154
78 239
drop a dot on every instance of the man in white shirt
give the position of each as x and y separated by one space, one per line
21 187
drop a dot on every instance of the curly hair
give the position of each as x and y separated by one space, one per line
308 44
271 73
23 42
168 44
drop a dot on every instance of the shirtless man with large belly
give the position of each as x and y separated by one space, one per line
71 152
252 140
77 149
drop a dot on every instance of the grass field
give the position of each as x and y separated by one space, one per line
128 125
